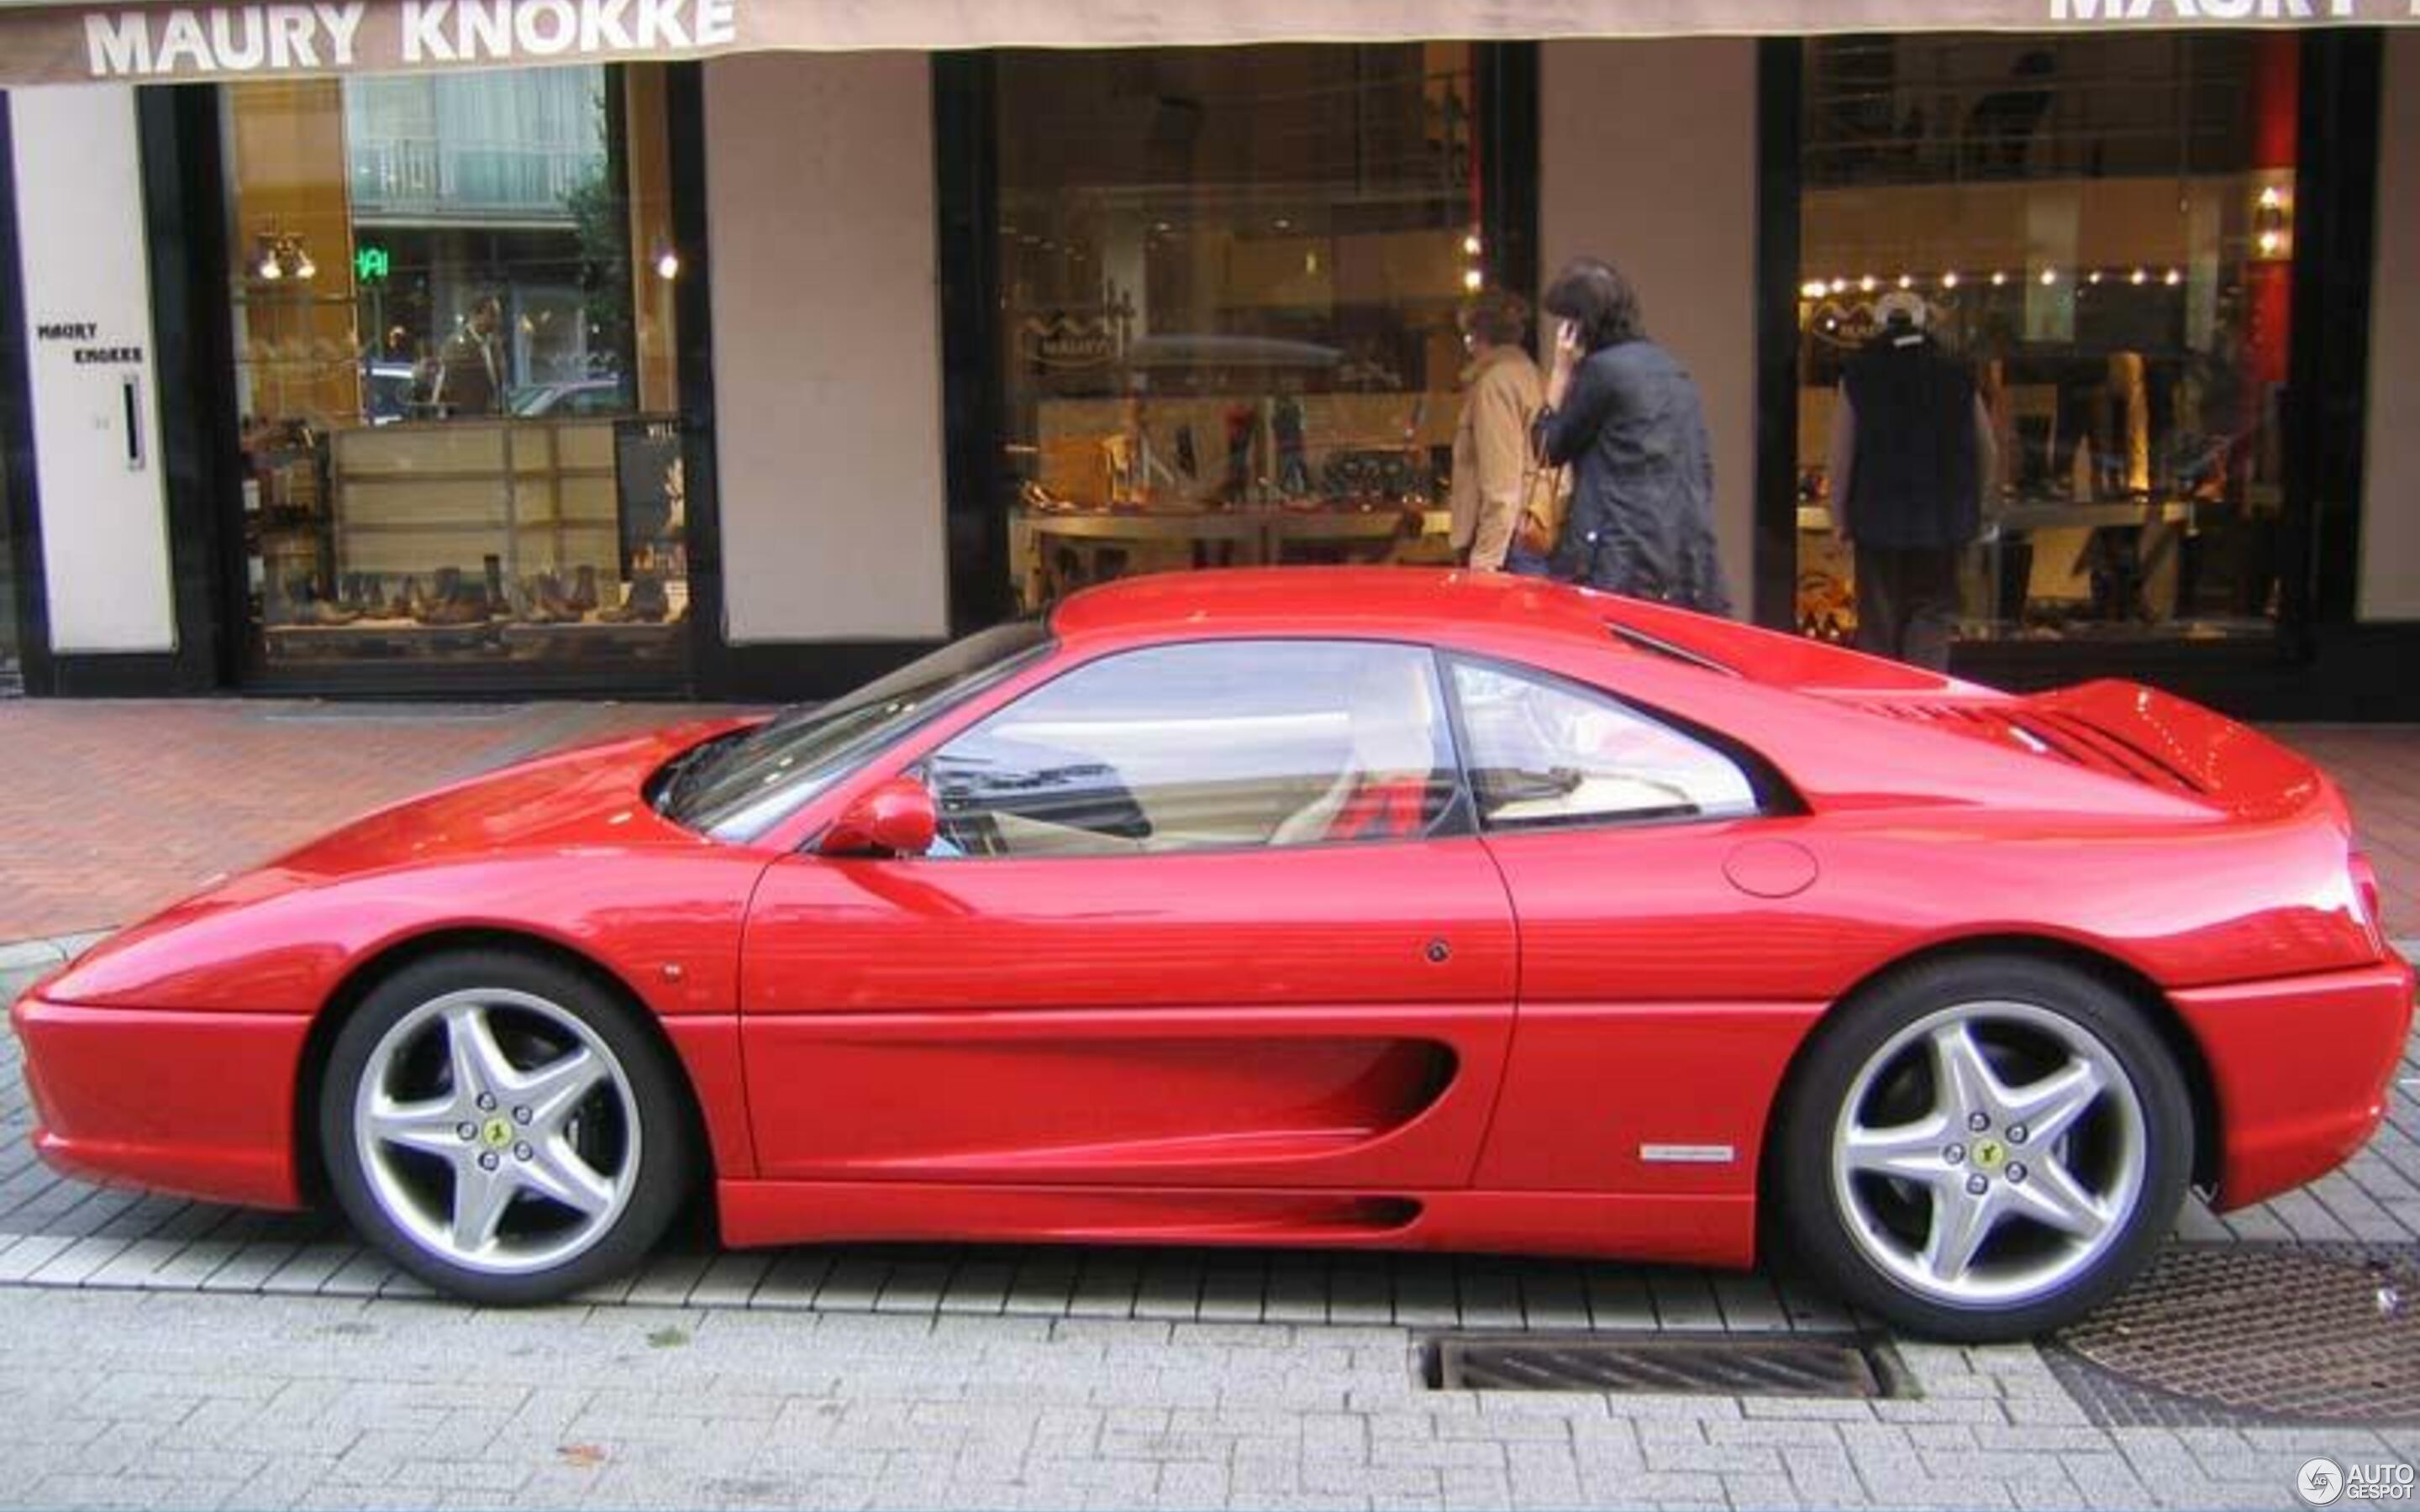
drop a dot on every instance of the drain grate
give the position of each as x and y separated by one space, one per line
2319 1334
1722 1366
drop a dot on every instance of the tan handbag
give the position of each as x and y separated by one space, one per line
1543 496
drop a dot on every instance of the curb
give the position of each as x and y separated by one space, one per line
26 961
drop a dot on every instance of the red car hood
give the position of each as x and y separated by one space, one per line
589 795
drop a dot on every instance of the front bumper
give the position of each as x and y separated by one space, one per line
198 1105
2302 1068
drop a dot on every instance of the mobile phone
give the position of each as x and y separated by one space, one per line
1567 332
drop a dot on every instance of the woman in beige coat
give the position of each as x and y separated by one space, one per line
1493 469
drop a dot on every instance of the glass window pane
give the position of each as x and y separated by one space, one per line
1229 278
1544 753
1185 747
2100 231
453 328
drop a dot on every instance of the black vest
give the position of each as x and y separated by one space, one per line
1916 478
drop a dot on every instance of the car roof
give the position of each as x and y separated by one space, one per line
1344 601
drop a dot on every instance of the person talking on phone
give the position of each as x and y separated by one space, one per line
1626 418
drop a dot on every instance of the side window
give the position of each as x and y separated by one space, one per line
1544 752
1216 744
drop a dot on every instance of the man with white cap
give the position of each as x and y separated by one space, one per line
1911 458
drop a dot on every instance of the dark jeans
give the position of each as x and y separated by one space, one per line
1907 602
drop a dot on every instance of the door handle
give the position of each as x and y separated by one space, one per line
130 392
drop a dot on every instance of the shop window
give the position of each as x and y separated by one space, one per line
2099 230
454 339
1228 280
1205 747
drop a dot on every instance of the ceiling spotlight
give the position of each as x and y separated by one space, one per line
1839 286
2140 276
667 265
2174 278
280 255
1949 281
1906 281
1472 278
1814 288
2096 276
1471 244
1999 280
2049 276
1867 284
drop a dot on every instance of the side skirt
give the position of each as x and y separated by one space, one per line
1702 1230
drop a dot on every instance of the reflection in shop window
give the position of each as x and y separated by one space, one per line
1229 278
454 364
2101 230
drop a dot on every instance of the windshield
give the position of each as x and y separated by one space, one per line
739 787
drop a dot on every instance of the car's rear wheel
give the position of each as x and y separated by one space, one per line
503 1127
1982 1148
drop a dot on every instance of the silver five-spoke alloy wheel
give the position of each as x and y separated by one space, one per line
498 1129
1988 1154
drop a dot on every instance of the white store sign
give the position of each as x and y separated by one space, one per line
104 519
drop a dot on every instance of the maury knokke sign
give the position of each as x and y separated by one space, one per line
57 43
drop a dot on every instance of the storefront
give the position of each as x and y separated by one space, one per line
751 376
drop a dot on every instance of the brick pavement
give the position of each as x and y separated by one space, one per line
112 810
130 1399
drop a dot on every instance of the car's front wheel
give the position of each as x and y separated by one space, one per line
503 1127
1983 1148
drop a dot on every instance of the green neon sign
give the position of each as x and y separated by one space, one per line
371 265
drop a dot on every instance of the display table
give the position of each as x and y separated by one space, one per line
1244 536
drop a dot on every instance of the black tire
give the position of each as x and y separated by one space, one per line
1815 1232
657 1176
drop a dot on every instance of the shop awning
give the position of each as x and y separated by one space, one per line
149 41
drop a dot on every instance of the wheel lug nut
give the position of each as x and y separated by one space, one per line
488 1161
468 1131
1978 1121
2016 1134
487 1101
1955 1154
2016 1173
522 1151
520 1114
1977 1186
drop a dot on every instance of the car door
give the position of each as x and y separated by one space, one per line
1661 881
1200 914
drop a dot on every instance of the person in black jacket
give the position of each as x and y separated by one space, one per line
1626 418
1911 456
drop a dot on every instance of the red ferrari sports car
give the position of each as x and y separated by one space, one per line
1363 907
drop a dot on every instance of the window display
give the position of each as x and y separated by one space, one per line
2099 230
1229 280
454 338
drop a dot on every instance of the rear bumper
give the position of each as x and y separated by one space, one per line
198 1105
2302 1068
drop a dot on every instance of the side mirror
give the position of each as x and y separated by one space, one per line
895 819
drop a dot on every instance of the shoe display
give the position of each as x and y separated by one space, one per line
546 602
314 608
647 604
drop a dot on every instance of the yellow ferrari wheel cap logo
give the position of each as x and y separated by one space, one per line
497 1133
1989 1155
